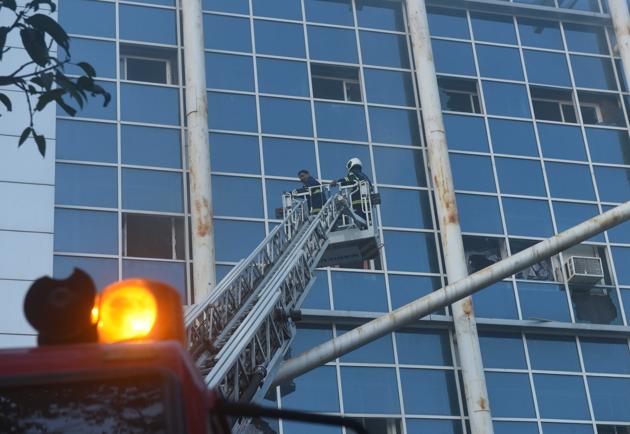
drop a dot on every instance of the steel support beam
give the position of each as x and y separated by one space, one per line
202 230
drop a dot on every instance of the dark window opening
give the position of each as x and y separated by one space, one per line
151 236
600 109
553 105
481 252
379 425
543 270
336 82
613 429
148 64
459 95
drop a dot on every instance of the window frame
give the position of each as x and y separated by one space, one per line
167 64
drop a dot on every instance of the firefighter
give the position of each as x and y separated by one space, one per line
312 186
354 176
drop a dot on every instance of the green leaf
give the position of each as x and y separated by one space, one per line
35 45
41 143
87 68
11 4
4 31
6 101
27 132
45 24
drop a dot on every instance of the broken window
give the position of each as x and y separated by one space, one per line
148 64
543 270
379 425
459 95
553 105
600 109
613 429
153 236
481 252
336 82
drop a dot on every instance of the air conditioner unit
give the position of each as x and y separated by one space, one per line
584 270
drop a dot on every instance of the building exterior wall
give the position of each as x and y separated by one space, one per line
556 355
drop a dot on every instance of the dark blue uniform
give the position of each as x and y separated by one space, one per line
354 176
316 198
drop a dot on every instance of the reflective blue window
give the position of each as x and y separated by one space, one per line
231 112
369 390
378 351
543 301
340 121
389 87
561 397
555 353
288 9
394 126
332 158
233 6
610 398
619 233
86 185
422 426
151 104
561 141
570 214
493 28
227 150
172 273
284 157
240 197
285 116
380 14
100 54
399 166
359 291
417 211
566 428
158 24
496 301
227 33
281 39
547 68
408 251
506 99
307 337
151 146
453 57
283 77
479 213
437 396
539 33
88 17
501 350
593 72
275 189
324 11
527 217
318 297
152 190
336 45
226 71
102 271
499 62
589 39
581 5
89 141
513 137
621 257
384 49
79 231
515 427
94 108
513 172
613 184
472 172
465 133
235 240
608 146
580 187
424 347
448 22
510 395
320 382
606 355
404 289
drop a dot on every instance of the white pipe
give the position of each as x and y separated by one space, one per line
452 243
621 24
204 268
422 307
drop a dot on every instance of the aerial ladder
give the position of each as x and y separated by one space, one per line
239 334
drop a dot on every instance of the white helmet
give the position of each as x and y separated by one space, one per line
353 162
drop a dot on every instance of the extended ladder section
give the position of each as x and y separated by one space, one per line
240 333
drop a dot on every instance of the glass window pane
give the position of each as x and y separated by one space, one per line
325 11
227 150
619 234
580 185
581 5
437 396
158 24
542 301
153 236
94 106
510 395
335 45
369 390
399 166
496 301
513 137
384 49
239 197
318 297
608 146
539 33
100 54
389 87
231 112
88 141
88 17
424 347
281 39
80 231
151 190
570 214
501 350
235 240
340 121
417 212
588 39
561 141
465 133
172 273
86 185
227 71
453 57
290 427
561 397
621 257
233 6
555 353
359 291
405 289
513 172
394 126
606 355
151 146
493 28
448 22
380 14
595 306
499 62
610 398
287 9
472 173
284 157
285 116
565 428
321 382
275 189
307 337
152 104
506 99
102 271
479 213
378 351
613 184
411 251
283 77
547 68
527 217
515 427
593 72
333 156
422 426
227 33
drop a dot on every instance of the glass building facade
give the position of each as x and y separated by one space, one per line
536 114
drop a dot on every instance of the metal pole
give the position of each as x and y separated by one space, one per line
204 269
421 307
621 24
452 243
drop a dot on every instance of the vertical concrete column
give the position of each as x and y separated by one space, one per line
621 24
204 266
452 243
